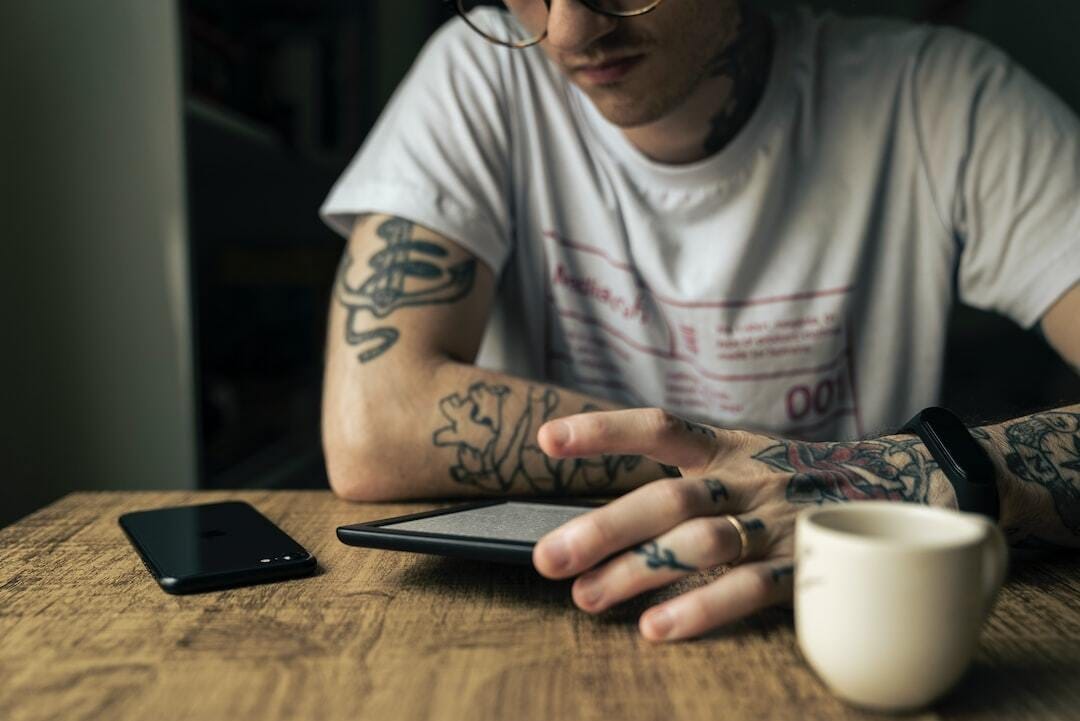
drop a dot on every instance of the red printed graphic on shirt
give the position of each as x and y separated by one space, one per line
781 363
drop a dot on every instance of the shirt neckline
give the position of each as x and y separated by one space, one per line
719 168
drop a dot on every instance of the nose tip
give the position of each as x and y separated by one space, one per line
573 26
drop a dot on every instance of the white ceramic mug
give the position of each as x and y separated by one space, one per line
890 597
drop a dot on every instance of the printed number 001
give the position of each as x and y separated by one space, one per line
821 398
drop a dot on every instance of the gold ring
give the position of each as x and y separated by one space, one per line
744 539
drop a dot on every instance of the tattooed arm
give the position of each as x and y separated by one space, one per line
405 414
1037 459
739 493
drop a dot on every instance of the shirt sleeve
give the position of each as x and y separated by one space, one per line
438 155
1003 155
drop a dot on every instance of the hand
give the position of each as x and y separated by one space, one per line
734 485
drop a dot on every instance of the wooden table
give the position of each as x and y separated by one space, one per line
85 633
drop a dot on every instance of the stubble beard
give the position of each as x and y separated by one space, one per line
630 107
649 105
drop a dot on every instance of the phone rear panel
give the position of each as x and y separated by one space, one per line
194 548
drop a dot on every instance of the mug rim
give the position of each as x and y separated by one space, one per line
976 524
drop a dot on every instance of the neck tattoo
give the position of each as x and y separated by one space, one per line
746 60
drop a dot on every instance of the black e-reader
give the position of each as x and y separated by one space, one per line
502 531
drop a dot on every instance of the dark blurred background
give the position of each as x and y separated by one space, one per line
166 271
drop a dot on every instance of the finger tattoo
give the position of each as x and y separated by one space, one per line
753 524
657 557
717 489
699 429
778 573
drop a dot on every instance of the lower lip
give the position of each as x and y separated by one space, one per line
612 73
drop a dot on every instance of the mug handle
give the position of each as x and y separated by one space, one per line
995 563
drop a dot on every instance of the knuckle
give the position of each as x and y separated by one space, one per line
590 425
735 442
759 583
665 424
600 529
697 612
675 496
711 538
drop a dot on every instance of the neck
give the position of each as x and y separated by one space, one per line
722 103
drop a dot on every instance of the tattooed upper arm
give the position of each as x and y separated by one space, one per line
393 264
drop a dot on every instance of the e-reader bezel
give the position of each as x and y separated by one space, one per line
373 534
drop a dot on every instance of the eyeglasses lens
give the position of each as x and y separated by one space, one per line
513 22
519 23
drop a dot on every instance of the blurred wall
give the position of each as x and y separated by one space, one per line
401 29
1039 34
96 363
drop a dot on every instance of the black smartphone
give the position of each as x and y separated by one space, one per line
218 545
501 531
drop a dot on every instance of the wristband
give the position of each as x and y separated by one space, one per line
964 462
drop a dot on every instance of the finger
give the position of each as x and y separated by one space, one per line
697 544
652 432
640 515
738 593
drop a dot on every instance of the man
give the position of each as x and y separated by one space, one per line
758 223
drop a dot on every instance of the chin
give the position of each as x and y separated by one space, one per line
626 111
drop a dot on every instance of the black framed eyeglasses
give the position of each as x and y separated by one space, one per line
521 23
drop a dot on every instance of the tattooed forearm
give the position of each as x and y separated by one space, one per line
657 557
496 448
884 469
1044 450
407 272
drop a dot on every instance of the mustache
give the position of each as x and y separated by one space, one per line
608 48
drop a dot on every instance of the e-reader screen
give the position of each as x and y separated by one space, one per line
493 530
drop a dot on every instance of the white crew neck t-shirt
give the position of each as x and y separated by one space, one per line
800 280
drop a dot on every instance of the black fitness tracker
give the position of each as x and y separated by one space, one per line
965 463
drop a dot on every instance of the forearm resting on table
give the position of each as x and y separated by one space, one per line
444 428
405 415
1037 459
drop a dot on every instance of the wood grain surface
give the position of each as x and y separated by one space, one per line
85 633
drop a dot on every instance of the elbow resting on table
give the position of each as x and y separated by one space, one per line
373 451
364 472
